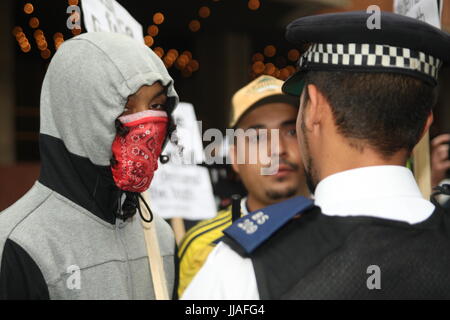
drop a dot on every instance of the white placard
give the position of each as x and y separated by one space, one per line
424 10
180 188
189 137
110 16
182 192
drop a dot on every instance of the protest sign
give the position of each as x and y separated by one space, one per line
425 10
110 16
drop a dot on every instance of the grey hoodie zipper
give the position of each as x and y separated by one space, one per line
119 229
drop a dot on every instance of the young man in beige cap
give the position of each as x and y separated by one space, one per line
259 105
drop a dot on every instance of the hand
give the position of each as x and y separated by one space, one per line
440 162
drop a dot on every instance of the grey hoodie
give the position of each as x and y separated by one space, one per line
67 221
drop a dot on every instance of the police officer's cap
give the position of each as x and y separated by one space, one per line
346 42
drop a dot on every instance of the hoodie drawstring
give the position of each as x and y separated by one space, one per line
148 209
129 206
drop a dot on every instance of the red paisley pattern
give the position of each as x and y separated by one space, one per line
137 153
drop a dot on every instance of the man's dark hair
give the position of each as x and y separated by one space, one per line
383 110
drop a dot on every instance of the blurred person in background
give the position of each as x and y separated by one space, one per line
259 105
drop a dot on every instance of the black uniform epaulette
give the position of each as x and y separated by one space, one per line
252 230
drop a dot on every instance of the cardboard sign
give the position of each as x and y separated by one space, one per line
110 16
182 191
425 10
188 135
181 188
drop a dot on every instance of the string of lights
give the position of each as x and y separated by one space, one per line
261 63
280 68
172 58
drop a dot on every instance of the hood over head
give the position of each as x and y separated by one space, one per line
85 90
87 86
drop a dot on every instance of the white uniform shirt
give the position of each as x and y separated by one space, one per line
387 192
244 210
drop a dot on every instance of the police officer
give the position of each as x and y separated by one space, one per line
366 101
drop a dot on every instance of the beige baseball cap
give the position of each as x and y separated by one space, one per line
263 90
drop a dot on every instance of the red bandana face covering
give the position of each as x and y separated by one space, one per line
137 153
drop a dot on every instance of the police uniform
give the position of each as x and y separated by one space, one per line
198 243
369 233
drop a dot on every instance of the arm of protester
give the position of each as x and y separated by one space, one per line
20 277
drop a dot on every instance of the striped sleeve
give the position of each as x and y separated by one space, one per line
197 245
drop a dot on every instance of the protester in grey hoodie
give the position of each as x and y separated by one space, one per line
74 219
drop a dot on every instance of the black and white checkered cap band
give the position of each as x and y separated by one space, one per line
371 56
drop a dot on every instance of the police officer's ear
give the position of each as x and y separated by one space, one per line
316 109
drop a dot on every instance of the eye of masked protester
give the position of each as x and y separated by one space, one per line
142 131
